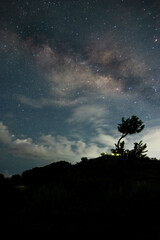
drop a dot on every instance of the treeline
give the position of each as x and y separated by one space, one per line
110 196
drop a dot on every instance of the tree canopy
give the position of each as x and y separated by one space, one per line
130 125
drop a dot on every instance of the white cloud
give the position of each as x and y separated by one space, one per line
26 148
152 138
105 139
50 148
63 148
5 136
56 148
89 114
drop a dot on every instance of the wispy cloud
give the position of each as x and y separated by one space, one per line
89 114
51 148
45 102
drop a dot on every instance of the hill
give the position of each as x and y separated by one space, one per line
109 196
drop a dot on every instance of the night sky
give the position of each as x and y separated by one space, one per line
69 71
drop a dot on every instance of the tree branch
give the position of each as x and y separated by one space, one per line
123 136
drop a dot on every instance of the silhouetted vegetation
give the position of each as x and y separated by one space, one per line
112 196
130 126
94 196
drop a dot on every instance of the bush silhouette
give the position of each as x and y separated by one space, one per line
139 150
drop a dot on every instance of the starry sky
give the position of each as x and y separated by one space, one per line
69 71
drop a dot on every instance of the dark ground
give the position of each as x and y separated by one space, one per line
110 196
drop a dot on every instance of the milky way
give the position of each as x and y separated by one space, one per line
70 70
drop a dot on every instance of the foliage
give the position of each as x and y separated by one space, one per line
84 159
119 149
138 150
130 125
104 154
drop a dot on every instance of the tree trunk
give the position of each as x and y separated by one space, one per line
123 136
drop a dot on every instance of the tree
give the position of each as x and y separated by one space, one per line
84 159
129 126
119 150
139 150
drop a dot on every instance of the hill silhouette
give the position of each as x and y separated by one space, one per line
110 196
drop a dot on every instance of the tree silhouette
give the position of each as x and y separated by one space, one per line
139 150
129 126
